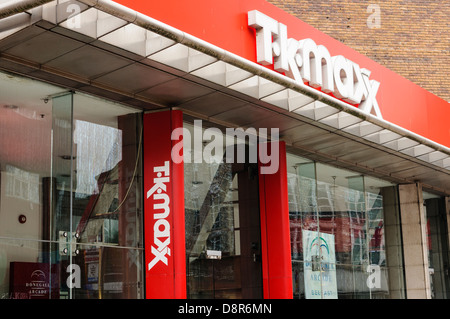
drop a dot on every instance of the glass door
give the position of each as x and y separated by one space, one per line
94 198
70 194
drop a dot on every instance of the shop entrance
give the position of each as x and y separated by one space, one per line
223 235
69 194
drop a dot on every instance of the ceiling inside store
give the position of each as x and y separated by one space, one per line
26 120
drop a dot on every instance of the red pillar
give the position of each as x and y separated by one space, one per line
164 224
275 233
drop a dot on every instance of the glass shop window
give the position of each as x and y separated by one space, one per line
337 232
69 194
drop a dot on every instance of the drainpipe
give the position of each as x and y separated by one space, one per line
13 7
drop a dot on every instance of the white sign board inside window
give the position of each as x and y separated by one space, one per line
320 265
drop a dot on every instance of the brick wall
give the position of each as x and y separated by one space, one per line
412 38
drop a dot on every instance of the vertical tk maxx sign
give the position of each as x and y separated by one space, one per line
163 209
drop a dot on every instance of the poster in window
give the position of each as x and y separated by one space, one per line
30 280
320 265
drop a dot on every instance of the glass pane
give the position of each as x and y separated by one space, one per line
60 183
435 212
303 214
95 273
298 282
103 274
392 239
25 156
375 211
25 165
107 198
70 174
222 227
342 246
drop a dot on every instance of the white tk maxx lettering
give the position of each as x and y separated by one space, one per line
305 61
161 228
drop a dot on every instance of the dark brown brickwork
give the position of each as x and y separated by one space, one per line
413 39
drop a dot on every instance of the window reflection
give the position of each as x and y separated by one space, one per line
106 204
342 211
69 166
437 243
222 219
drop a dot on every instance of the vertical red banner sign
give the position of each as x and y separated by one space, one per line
164 233
275 230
